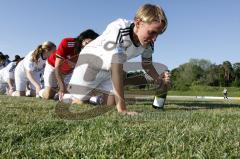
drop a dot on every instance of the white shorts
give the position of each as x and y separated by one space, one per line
50 77
82 84
21 79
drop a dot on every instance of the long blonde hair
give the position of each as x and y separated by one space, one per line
44 47
151 13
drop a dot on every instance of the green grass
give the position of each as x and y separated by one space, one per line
30 128
207 91
193 91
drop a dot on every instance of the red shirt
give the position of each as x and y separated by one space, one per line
66 51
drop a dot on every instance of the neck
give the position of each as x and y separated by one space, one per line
135 38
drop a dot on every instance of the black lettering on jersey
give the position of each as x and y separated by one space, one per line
122 33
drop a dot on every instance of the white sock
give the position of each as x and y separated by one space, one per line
28 93
158 102
96 100
14 93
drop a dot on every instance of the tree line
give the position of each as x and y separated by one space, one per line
201 72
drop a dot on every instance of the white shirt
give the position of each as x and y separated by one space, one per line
116 39
4 64
29 65
7 72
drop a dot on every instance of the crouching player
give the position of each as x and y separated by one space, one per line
31 67
100 64
7 82
60 64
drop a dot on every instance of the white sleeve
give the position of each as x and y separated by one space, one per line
110 40
10 73
28 64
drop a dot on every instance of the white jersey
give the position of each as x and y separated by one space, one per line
4 64
116 39
29 65
99 54
7 72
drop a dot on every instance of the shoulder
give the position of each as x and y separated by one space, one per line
28 56
68 42
120 24
68 39
118 29
12 66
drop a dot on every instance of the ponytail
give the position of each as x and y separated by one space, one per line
44 47
36 54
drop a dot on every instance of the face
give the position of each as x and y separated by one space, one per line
48 53
147 33
85 42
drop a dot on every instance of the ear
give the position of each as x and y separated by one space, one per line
137 23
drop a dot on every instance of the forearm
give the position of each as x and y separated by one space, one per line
10 83
59 78
151 71
117 79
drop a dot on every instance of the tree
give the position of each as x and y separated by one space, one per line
228 73
185 75
236 69
212 75
202 63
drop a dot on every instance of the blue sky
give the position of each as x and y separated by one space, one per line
197 29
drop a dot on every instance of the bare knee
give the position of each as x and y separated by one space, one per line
48 93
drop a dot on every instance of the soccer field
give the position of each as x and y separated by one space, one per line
31 128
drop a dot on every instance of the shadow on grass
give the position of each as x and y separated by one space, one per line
63 111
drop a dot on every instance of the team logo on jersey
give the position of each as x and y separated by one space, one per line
71 44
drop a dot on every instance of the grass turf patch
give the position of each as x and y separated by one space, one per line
30 128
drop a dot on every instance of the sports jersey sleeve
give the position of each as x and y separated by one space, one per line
29 66
113 42
61 51
28 63
9 71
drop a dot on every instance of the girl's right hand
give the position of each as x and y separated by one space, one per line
38 88
60 95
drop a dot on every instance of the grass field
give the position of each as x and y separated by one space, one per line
30 128
193 91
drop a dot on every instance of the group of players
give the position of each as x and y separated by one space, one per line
82 67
